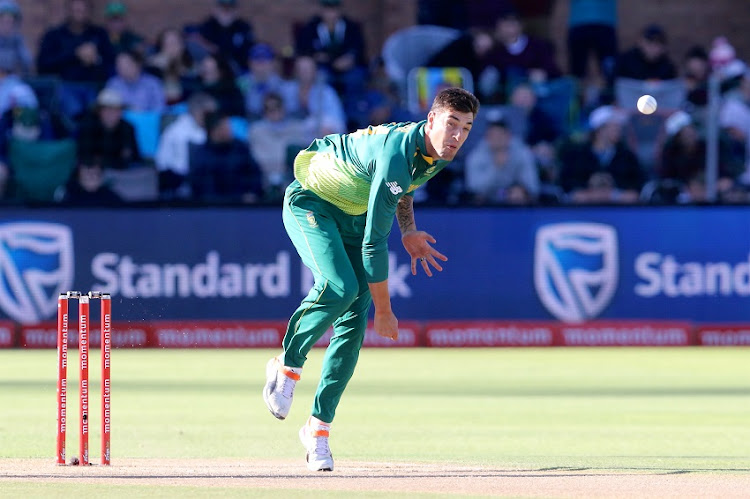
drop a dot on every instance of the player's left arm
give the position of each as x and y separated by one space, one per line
417 242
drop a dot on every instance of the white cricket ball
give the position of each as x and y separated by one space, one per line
646 104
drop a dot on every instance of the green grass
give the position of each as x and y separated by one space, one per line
678 409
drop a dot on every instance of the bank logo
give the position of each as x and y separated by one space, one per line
36 264
575 269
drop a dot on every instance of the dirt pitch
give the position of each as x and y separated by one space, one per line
389 477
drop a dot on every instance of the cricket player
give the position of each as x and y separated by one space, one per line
338 213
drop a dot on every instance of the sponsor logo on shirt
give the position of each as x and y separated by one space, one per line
395 188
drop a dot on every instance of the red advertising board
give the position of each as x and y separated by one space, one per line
723 335
7 334
489 334
217 334
625 333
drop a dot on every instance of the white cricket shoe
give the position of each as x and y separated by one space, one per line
279 389
314 437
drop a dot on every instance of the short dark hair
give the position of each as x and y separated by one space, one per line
456 98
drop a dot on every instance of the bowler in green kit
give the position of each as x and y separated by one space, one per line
338 213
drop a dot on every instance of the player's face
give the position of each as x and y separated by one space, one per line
447 131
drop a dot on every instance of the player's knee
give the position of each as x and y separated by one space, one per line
344 294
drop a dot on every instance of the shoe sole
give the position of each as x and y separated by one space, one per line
307 455
269 387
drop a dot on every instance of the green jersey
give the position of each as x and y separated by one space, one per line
367 172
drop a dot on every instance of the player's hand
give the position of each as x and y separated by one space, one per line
386 324
417 244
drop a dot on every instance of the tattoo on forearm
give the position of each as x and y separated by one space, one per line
405 214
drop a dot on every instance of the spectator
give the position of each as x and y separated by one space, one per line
381 102
648 59
139 91
602 168
217 80
173 64
310 98
262 79
695 71
79 52
497 163
541 132
121 37
270 138
87 187
683 156
104 134
172 156
734 119
592 29
14 92
540 126
222 169
12 43
517 194
337 45
225 33
468 50
517 57
694 191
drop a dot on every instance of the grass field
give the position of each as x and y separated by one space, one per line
627 410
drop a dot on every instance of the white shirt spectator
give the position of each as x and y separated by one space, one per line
174 144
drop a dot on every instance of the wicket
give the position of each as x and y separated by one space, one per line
83 351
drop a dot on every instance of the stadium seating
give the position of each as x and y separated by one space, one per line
423 83
40 167
412 47
147 126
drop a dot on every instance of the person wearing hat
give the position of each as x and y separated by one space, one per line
261 79
121 36
226 33
14 92
601 161
648 59
12 43
106 135
337 45
683 155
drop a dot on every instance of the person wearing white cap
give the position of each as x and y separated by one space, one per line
604 154
683 156
734 119
14 92
106 136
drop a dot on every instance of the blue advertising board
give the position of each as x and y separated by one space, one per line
571 263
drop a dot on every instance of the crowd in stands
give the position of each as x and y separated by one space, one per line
207 113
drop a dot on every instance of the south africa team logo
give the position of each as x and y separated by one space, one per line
36 264
575 269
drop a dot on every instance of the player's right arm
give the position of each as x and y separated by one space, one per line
391 180
386 324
